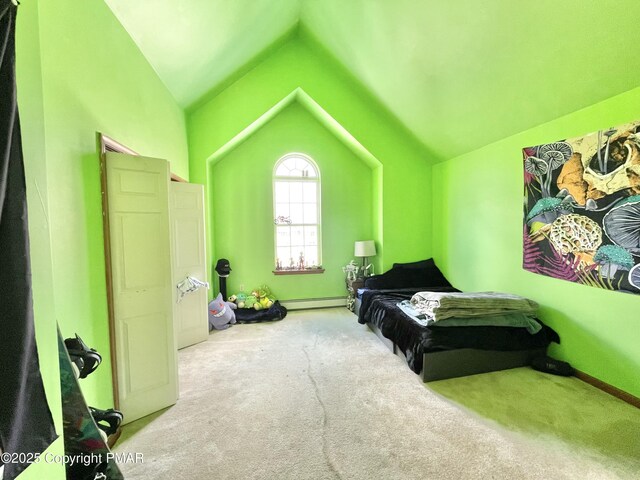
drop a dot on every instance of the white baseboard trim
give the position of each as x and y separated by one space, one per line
303 304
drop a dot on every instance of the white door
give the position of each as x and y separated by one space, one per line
139 232
189 260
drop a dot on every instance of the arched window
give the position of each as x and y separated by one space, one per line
296 205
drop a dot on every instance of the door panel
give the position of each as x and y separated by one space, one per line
146 357
143 374
189 260
138 259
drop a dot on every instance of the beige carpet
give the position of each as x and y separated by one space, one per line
317 396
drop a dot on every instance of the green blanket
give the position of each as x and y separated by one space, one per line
501 320
442 305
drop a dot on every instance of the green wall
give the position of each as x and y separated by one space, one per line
91 77
402 183
477 239
242 200
31 106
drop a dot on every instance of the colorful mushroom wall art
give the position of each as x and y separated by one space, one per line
582 209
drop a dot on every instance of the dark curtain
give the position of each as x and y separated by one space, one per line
26 425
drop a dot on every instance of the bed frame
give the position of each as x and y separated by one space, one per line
464 361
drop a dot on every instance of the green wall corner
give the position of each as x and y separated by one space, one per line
477 239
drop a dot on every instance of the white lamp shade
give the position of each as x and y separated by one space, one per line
366 248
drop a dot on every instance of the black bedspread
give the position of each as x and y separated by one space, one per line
379 307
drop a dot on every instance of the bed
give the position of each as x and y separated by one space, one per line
436 352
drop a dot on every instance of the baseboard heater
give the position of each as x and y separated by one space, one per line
307 303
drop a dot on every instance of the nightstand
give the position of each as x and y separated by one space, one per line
352 289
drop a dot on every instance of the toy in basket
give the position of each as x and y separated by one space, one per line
259 306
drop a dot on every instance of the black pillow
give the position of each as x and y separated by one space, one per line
400 277
421 264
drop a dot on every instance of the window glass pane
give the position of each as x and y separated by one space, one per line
290 164
311 235
282 170
310 213
282 192
309 192
303 166
296 167
296 213
310 170
311 255
283 237
295 189
307 169
284 255
297 238
301 163
282 209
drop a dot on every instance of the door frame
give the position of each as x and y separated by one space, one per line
108 144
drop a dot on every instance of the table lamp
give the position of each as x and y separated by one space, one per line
364 249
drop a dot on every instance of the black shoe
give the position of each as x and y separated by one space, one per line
107 420
78 349
551 365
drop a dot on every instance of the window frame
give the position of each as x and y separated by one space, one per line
291 179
